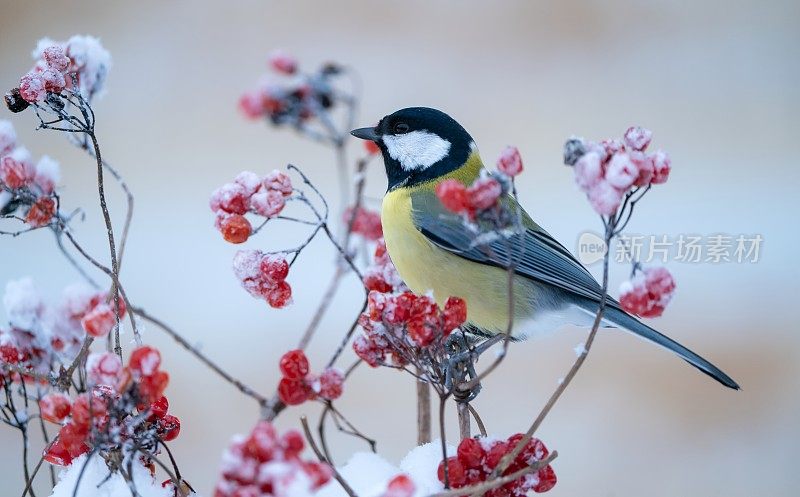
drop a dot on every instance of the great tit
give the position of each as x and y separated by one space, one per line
434 252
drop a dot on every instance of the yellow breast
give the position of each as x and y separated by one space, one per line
427 268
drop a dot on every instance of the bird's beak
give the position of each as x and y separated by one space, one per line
366 134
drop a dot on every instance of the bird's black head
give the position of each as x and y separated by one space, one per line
419 144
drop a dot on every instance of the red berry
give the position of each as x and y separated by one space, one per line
638 138
373 280
425 321
84 411
10 354
331 384
279 181
453 195
267 203
41 212
471 453
483 194
274 267
145 360
159 408
283 62
99 321
293 392
455 313
31 87
262 442
547 479
495 453
371 147
236 228
293 444
16 172
54 57
57 454
152 387
54 81
168 427
510 162
251 105
294 365
103 368
400 486
319 473
280 295
455 472
54 407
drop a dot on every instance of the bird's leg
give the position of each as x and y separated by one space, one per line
460 367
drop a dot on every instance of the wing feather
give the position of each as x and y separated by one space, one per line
533 252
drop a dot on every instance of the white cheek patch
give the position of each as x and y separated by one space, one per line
417 149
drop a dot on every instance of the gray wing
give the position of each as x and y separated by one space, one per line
532 251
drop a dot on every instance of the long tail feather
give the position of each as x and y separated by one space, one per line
621 319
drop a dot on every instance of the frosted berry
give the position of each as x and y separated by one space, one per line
267 203
662 165
483 194
278 181
55 407
15 173
331 384
274 267
510 162
280 295
54 57
638 138
168 427
145 361
99 321
41 212
31 88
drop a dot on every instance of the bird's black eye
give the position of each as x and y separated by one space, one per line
401 128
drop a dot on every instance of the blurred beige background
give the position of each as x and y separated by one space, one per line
716 81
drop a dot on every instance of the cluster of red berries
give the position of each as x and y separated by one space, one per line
25 183
396 324
264 464
264 276
381 275
484 193
477 458
248 193
111 410
292 100
47 77
100 316
80 61
648 292
299 385
608 170
364 222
